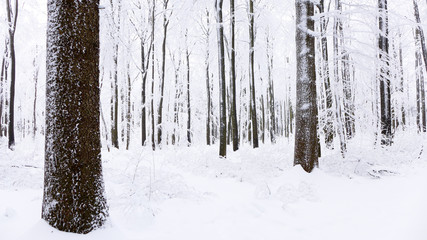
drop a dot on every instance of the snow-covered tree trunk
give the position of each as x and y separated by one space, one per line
208 80
35 78
116 19
234 127
254 120
73 199
2 84
306 148
222 90
187 54
12 17
338 62
153 22
162 79
384 74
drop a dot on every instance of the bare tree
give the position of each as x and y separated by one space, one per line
253 112
12 17
384 73
234 127
222 88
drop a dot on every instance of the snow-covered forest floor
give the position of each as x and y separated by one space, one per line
189 193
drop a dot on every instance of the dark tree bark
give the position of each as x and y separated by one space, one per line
421 41
222 93
384 74
252 75
234 127
270 93
128 107
114 84
73 199
306 148
338 62
208 85
153 126
144 72
2 83
162 79
35 78
12 17
329 125
188 94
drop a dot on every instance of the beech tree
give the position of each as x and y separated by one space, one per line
222 93
12 17
306 145
73 199
384 73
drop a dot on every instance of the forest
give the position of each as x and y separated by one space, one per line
213 119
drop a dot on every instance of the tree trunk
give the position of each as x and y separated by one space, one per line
114 83
338 62
153 126
208 85
252 74
35 78
12 17
162 83
234 127
73 199
2 84
306 148
128 108
222 88
329 125
384 75
188 95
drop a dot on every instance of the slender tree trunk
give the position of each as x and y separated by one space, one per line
114 84
35 78
12 17
306 148
234 127
153 126
208 87
188 95
221 65
329 125
270 92
128 108
402 79
73 199
337 42
2 83
384 78
252 74
162 83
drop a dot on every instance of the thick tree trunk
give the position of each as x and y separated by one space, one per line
306 148
73 199
222 89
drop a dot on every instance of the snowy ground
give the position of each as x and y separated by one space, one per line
189 193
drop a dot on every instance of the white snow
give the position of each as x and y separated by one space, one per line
189 193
